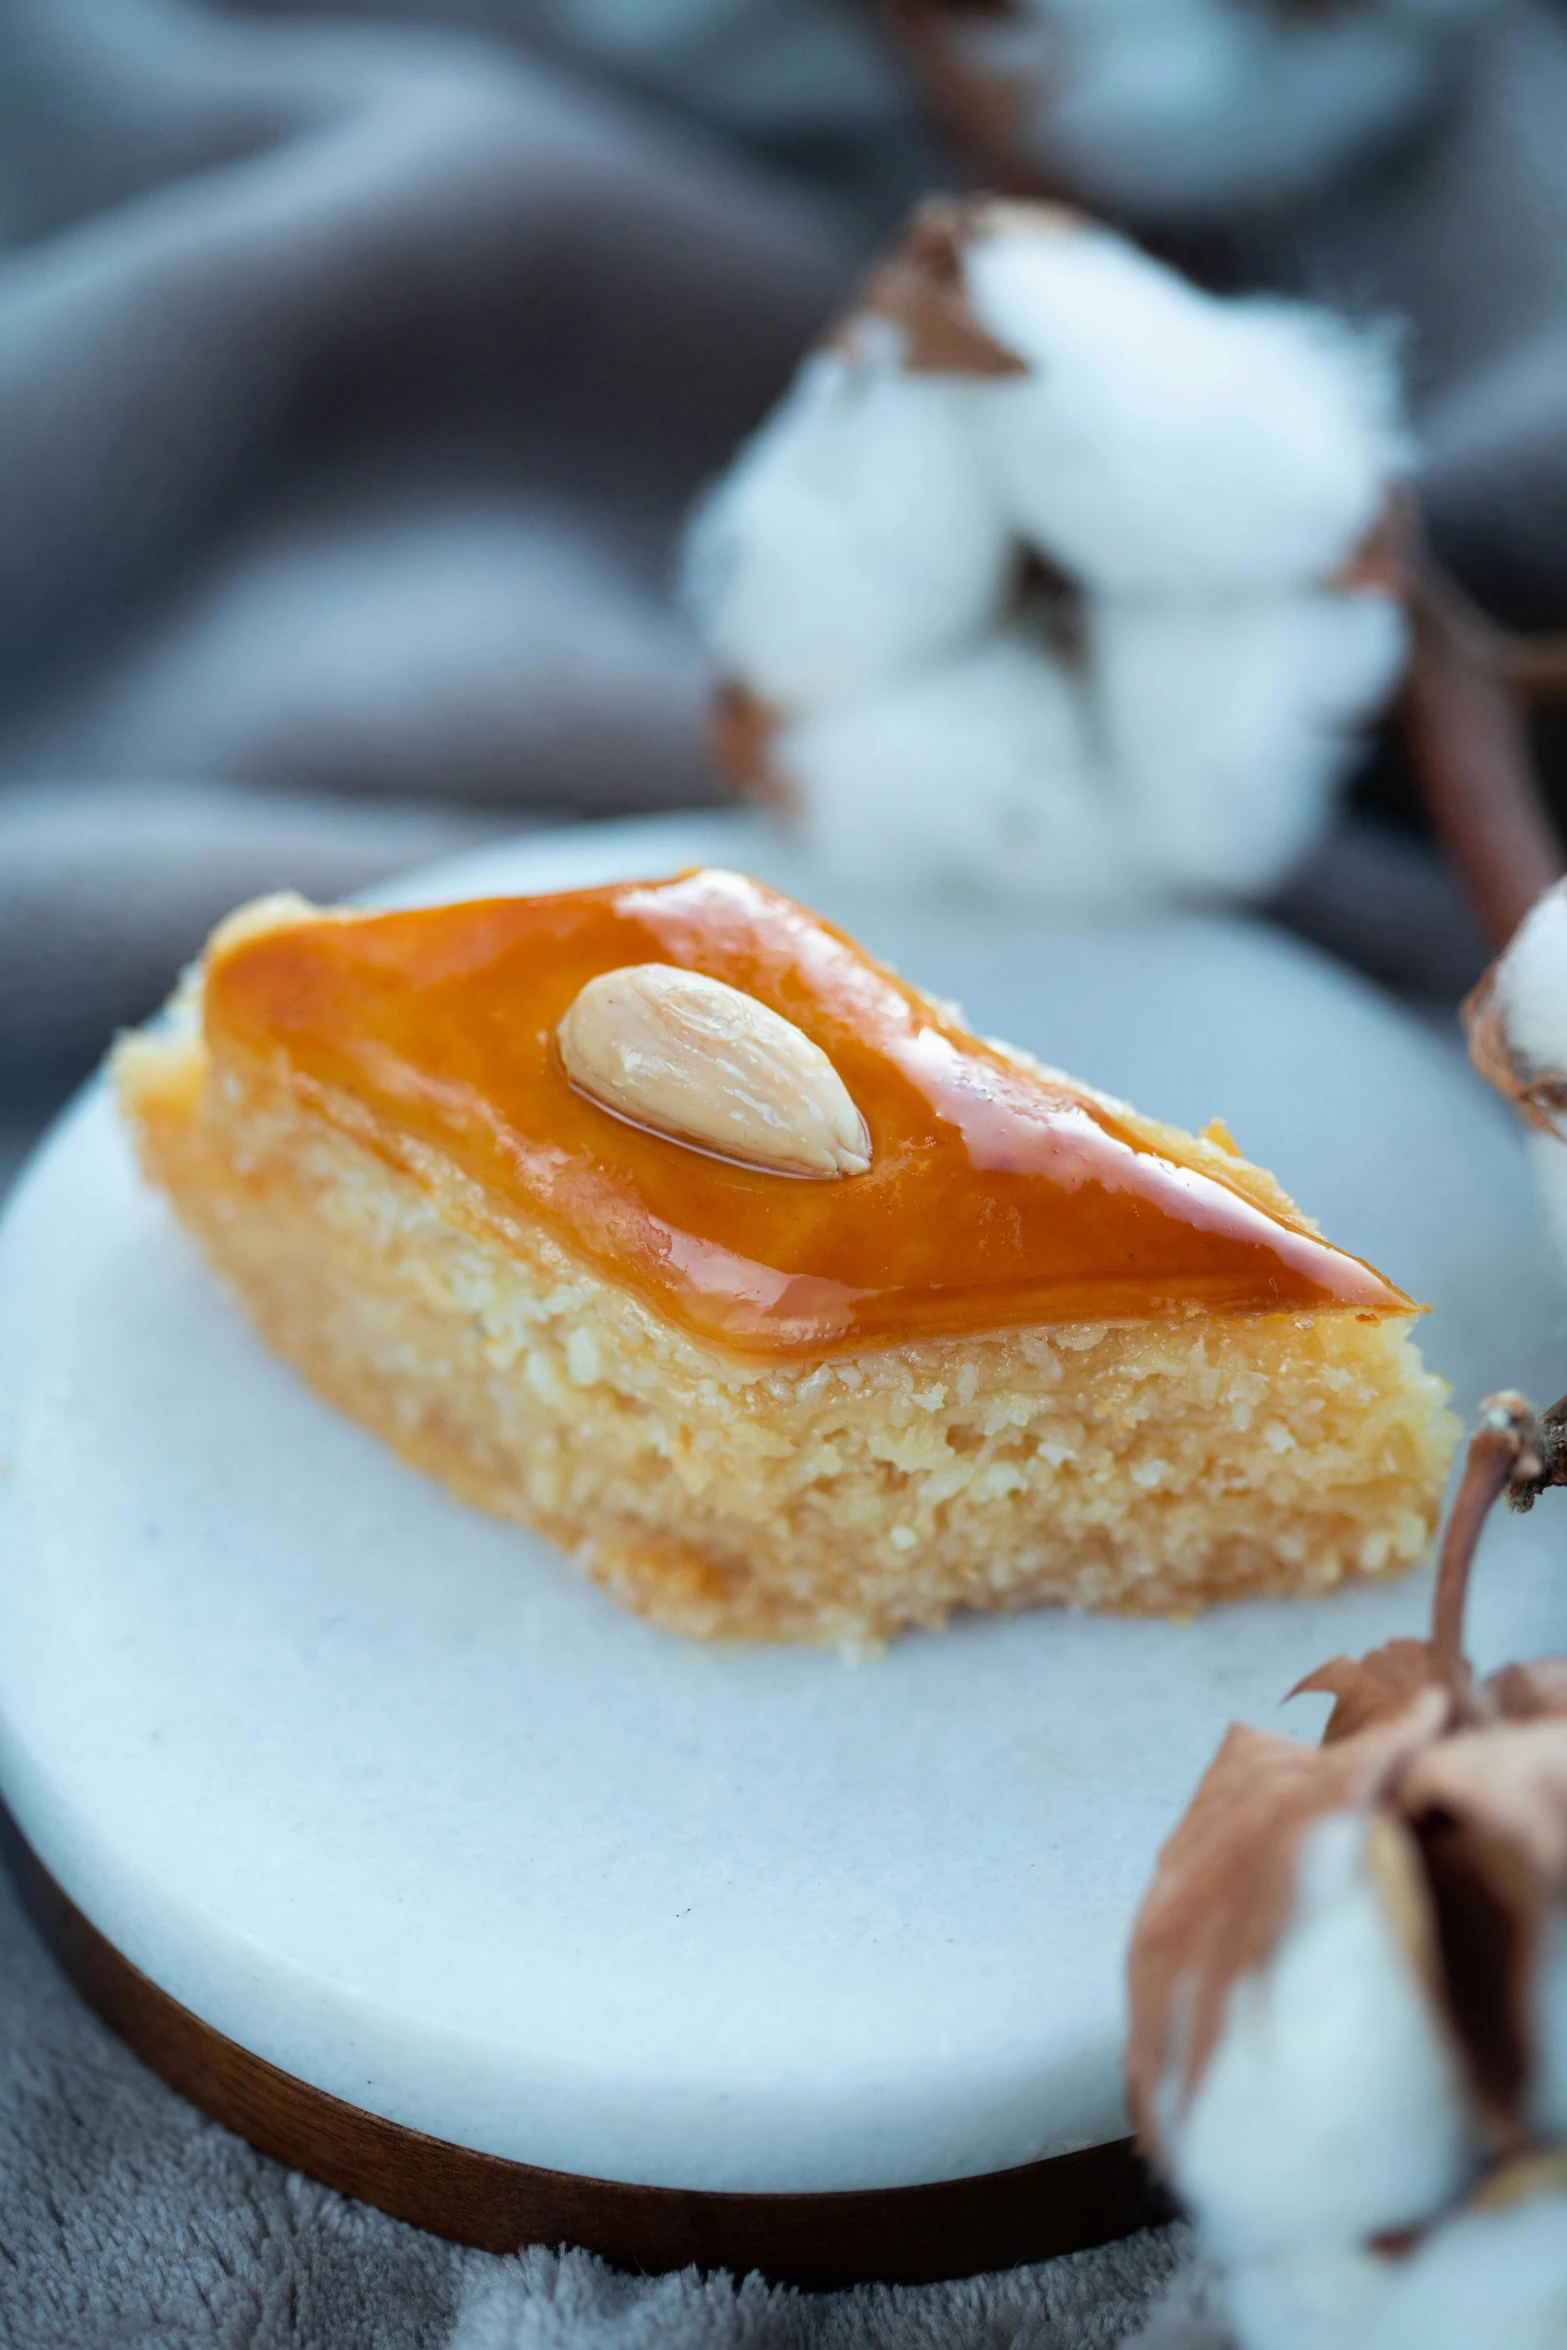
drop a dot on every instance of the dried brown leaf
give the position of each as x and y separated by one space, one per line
1539 1095
1507 1782
1393 1859
1523 1693
740 731
1225 1881
1489 1807
920 287
1383 557
1540 2172
1370 1688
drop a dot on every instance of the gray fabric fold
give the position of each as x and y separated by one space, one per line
352 383
1459 238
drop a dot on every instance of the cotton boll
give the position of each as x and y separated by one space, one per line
1486 2280
1311 2297
1530 1003
857 537
1200 471
1333 2106
1227 723
1531 985
1186 109
1167 442
977 773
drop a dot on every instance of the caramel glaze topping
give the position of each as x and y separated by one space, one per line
995 1198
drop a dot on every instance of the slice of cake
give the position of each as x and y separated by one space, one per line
663 1219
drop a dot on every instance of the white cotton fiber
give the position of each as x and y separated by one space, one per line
1487 2280
1198 478
1332 2107
1167 442
1228 722
1531 998
1317 2296
979 773
1531 984
857 537
1190 109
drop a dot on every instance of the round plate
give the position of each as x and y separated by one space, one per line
388 1795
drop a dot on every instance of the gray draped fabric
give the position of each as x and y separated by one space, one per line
1462 236
353 379
352 382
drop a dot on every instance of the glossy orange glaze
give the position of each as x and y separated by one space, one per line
994 1199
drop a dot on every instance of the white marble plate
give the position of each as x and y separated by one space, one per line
381 1790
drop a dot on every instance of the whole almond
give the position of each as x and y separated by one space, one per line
706 1064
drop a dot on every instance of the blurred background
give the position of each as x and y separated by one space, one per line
357 371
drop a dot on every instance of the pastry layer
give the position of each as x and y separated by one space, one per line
1147 1466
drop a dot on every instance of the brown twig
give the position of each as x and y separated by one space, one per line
1510 1452
1464 723
1534 666
1502 1447
978 115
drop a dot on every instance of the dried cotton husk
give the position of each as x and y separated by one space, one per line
1348 1986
